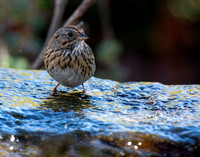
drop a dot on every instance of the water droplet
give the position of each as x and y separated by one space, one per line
11 147
12 138
136 147
122 153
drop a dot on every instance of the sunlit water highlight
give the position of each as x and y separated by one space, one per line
28 106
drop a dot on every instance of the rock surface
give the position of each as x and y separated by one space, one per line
111 119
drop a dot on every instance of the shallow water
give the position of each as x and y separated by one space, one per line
111 119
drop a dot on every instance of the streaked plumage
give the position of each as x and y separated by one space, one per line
68 59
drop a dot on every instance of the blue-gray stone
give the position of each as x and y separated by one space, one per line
111 119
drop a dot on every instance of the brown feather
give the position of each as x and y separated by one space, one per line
66 53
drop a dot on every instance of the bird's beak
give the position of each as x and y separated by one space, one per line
83 36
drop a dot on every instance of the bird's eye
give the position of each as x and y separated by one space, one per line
70 34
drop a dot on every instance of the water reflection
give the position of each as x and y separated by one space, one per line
65 102
109 109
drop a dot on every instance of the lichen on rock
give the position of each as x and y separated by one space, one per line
112 118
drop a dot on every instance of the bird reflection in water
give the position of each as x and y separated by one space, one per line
65 102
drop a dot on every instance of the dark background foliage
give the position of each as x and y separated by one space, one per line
133 40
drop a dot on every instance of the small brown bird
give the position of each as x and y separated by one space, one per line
68 59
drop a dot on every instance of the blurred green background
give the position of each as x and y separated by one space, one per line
133 40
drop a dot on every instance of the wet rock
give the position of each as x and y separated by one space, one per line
111 119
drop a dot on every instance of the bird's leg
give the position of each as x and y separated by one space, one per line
55 88
83 88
